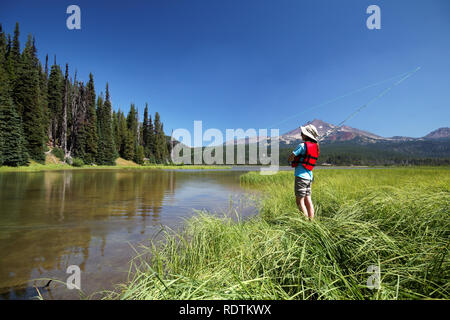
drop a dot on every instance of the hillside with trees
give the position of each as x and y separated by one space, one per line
420 152
42 110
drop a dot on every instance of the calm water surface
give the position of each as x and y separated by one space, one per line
50 220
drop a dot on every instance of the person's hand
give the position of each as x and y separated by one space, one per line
291 157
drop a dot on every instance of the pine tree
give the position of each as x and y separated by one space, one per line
46 66
73 87
157 149
55 86
148 135
151 140
116 131
65 102
140 140
15 49
14 60
123 134
133 133
27 93
145 133
111 150
139 154
161 153
4 84
3 50
101 147
78 126
91 124
8 46
43 98
128 151
107 151
132 122
164 144
12 143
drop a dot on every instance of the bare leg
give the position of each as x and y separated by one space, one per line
301 205
309 206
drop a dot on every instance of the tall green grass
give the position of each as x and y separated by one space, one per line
394 219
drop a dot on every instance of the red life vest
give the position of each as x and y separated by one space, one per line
310 157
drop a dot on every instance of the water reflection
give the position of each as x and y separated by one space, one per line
50 220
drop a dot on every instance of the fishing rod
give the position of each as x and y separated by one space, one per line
409 74
340 97
384 92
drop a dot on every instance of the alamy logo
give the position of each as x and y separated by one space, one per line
373 282
74 280
241 147
374 20
74 20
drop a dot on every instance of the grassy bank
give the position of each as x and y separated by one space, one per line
394 219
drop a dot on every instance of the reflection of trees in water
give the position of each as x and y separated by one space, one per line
141 194
33 224
49 219
32 239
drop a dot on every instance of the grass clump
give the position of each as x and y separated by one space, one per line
394 219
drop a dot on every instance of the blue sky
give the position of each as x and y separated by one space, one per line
253 63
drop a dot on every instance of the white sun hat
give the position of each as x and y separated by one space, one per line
310 131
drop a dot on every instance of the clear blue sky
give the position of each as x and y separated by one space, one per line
252 63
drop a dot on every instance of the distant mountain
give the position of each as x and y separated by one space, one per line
343 133
439 134
346 133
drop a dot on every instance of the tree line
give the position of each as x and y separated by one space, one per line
425 152
41 109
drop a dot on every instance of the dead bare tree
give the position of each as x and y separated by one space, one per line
74 98
79 110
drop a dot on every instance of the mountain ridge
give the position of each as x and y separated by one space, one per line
347 133
341 134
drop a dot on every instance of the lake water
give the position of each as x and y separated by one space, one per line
92 218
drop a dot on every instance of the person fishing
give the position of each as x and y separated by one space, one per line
303 159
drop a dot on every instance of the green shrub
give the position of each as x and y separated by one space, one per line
139 155
59 153
77 162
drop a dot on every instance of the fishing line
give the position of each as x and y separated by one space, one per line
403 75
340 97
409 74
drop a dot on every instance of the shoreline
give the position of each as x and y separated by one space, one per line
63 167
35 167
